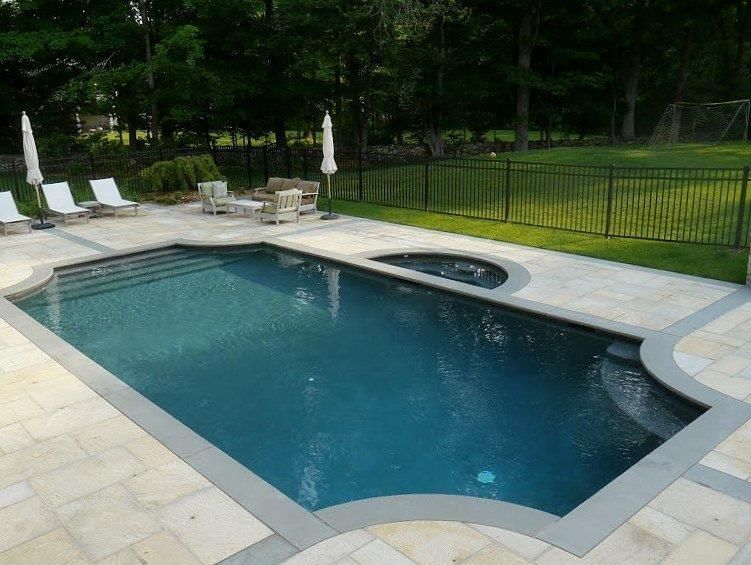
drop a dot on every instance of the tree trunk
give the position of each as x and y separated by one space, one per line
150 74
628 130
685 63
524 62
434 118
279 127
132 133
743 18
280 132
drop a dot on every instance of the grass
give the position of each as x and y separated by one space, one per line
571 190
709 261
735 155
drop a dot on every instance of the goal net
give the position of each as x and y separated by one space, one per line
703 123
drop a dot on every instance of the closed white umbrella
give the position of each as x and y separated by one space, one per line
33 173
328 166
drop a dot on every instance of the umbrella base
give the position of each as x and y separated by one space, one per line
42 226
330 216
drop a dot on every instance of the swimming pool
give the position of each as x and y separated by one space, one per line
335 385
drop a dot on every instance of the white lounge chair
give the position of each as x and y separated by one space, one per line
287 203
108 196
9 213
60 202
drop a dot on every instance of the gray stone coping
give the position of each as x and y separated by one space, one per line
297 528
404 507
518 275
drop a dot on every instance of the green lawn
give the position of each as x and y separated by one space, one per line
702 260
693 155
569 188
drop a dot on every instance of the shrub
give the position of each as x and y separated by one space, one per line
30 208
181 174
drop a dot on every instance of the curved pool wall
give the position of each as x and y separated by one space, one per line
577 532
454 267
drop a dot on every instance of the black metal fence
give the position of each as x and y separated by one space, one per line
689 205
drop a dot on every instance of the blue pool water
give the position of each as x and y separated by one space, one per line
335 385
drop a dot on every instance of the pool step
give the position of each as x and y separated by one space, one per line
125 265
138 273
642 400
624 351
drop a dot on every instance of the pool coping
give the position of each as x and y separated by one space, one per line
577 532
517 275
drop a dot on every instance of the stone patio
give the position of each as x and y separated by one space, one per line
81 483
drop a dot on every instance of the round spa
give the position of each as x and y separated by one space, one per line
462 269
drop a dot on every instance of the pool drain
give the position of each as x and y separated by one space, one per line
486 477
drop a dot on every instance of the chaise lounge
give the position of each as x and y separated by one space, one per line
274 185
108 196
60 202
9 213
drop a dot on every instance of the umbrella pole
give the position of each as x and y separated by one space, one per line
42 225
330 215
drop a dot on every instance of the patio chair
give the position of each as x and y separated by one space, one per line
60 202
9 213
287 203
214 195
108 196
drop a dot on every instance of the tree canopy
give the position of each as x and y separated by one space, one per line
184 70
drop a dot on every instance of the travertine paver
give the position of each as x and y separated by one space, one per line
80 482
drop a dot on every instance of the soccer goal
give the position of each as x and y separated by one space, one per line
712 122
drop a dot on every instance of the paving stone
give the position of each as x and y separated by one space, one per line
432 542
738 445
163 549
14 437
525 546
85 476
627 545
38 458
212 525
707 509
70 419
165 484
53 548
378 552
59 392
15 493
150 452
124 557
23 521
332 549
110 433
107 521
728 464
494 554
18 410
701 547
661 525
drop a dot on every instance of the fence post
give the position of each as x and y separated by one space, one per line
265 163
248 168
304 163
742 207
610 200
288 161
507 198
359 175
426 195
